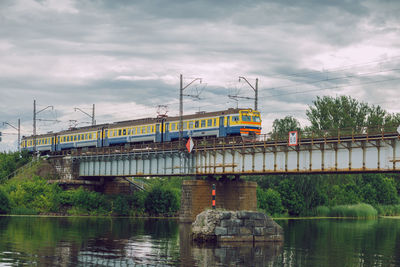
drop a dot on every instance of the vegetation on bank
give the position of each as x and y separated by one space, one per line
37 196
355 195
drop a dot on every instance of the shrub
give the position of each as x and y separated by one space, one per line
121 205
291 199
92 202
35 194
4 202
270 201
388 210
161 201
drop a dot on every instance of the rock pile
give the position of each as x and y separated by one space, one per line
235 226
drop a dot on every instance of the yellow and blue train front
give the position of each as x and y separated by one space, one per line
250 122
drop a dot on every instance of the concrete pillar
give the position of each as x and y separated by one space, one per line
231 195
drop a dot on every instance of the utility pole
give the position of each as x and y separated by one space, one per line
18 128
87 114
181 89
34 122
255 88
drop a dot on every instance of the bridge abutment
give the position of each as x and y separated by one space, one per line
230 195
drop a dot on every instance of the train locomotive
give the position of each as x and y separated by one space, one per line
230 122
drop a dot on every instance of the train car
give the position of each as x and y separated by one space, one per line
231 122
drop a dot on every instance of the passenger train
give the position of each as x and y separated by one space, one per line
231 122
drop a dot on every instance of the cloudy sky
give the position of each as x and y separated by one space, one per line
126 57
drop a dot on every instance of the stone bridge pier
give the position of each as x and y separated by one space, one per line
230 195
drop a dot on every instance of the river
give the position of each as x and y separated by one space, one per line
83 241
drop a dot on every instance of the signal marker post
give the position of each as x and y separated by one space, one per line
213 196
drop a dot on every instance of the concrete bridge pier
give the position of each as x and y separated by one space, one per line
230 195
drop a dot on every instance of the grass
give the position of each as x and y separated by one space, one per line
353 211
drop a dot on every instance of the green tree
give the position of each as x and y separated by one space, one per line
282 127
328 114
4 202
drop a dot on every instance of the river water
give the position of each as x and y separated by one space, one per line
55 241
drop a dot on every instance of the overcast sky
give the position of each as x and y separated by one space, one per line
126 57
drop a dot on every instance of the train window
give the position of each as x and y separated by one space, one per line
196 124
203 123
246 118
124 131
256 119
235 118
148 129
215 122
152 128
190 124
119 132
173 126
209 122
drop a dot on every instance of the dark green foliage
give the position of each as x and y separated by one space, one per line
291 198
36 195
121 205
388 210
138 201
161 201
9 162
270 201
310 195
90 201
4 202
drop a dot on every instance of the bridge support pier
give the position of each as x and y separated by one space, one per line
230 195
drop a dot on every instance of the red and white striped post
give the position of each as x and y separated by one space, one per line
213 196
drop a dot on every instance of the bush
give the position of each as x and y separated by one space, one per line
92 202
35 195
270 201
4 202
121 205
161 201
388 210
291 199
355 211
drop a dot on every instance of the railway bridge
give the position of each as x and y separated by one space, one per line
222 161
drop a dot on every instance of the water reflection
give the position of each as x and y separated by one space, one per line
137 242
228 254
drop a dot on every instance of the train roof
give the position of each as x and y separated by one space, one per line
142 121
